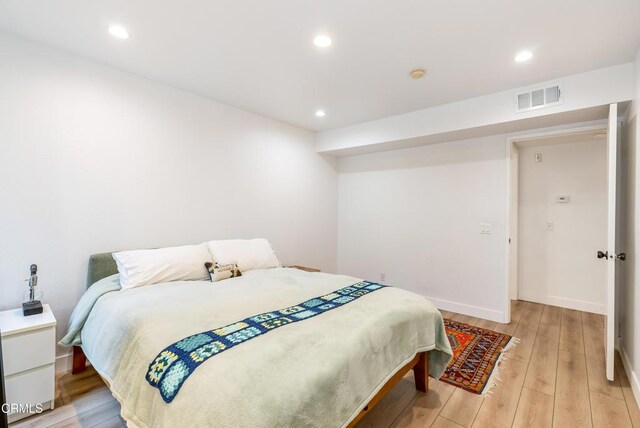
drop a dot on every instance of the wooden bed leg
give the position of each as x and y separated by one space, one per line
421 372
79 360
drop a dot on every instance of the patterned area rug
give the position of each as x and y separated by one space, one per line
476 355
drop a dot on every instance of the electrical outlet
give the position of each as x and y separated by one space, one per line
486 228
383 277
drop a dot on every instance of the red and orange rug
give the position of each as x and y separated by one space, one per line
476 354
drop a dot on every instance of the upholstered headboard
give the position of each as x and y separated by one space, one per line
101 266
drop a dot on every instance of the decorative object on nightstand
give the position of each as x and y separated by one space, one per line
304 268
29 347
33 306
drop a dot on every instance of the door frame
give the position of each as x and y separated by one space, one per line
512 251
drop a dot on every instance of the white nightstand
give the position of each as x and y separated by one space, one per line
29 354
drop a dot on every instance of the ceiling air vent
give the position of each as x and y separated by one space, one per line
533 99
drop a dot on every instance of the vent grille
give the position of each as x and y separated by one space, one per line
536 98
524 100
552 94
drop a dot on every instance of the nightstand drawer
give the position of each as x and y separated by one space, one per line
32 387
24 351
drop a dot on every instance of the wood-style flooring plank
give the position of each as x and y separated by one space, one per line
509 328
594 320
391 405
446 314
517 307
116 422
632 406
593 339
90 400
538 307
499 408
543 364
468 320
527 337
551 315
530 318
73 387
462 407
572 407
441 422
609 412
489 325
91 417
598 380
535 409
571 336
424 409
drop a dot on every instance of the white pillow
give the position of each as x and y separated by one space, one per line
145 267
249 254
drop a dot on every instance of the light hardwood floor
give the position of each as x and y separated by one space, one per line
555 377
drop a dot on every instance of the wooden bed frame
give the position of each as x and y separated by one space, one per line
419 365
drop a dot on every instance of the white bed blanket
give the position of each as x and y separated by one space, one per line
318 372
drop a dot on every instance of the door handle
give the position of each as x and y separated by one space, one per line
603 255
622 257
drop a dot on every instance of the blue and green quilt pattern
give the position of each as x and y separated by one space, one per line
173 366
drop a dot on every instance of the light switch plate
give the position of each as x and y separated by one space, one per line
486 228
549 225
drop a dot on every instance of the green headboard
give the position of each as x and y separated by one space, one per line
101 266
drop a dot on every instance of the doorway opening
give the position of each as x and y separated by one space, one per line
582 241
558 218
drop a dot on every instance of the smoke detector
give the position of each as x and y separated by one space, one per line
418 73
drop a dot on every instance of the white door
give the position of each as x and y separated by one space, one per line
611 255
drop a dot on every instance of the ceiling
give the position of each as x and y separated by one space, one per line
259 55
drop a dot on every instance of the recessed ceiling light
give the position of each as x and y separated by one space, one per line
119 32
320 113
418 73
523 56
322 41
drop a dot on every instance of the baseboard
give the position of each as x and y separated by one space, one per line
578 305
473 311
64 363
633 379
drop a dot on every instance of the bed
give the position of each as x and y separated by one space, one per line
328 370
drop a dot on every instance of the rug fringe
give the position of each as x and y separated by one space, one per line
495 378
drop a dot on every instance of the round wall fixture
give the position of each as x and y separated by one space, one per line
418 73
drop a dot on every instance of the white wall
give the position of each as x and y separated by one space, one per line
629 322
559 267
93 160
415 215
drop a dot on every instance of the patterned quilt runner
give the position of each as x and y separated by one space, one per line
173 366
